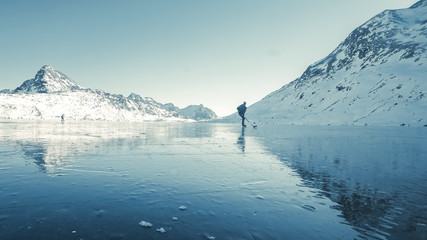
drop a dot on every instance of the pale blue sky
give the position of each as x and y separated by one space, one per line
218 53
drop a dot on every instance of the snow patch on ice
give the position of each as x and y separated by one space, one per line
161 230
145 224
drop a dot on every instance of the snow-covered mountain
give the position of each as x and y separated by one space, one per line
196 112
376 76
48 80
51 94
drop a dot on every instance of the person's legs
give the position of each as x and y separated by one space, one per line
242 115
243 120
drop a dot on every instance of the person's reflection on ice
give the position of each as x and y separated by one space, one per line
241 140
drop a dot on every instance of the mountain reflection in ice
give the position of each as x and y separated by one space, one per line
98 180
375 175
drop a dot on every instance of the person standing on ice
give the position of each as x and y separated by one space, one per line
242 110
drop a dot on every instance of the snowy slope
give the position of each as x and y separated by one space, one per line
376 76
51 93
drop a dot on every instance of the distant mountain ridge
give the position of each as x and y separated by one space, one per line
51 94
376 76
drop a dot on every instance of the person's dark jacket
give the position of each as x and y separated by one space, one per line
241 109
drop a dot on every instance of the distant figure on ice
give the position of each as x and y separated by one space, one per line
242 110
62 118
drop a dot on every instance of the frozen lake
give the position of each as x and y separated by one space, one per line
99 180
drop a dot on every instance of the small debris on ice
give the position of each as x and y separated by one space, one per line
260 197
309 208
175 218
145 224
208 236
182 208
161 230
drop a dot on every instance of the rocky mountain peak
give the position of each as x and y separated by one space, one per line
376 76
46 80
391 34
421 3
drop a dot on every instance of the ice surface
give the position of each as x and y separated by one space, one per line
295 182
